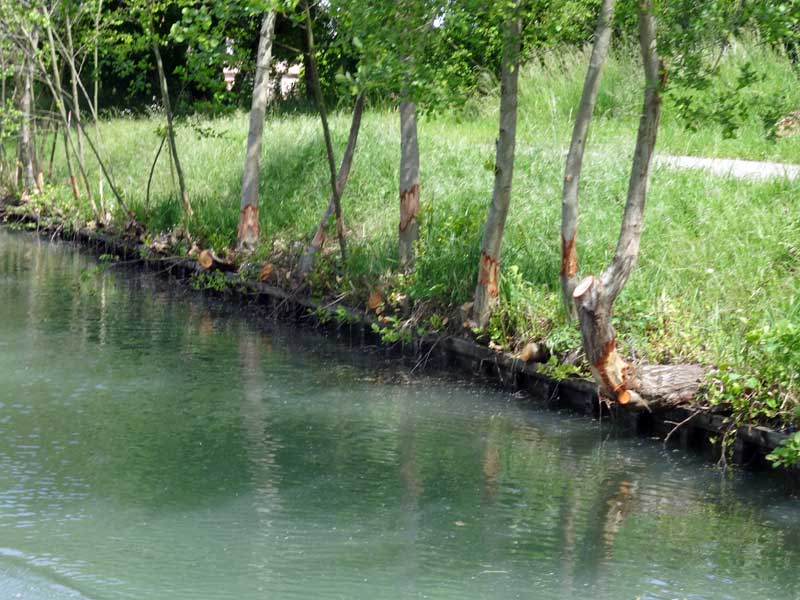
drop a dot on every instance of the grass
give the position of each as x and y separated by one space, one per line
719 259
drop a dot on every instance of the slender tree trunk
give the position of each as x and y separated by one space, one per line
3 165
73 75
307 261
104 170
58 96
572 172
41 152
162 78
248 233
323 114
409 184
37 170
25 147
595 296
52 152
96 74
487 291
96 104
96 152
84 176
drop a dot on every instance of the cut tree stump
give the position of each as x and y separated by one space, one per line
208 260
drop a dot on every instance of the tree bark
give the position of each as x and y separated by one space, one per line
162 78
96 74
320 100
3 165
307 261
572 172
595 296
409 184
248 232
56 90
487 291
96 103
25 148
73 74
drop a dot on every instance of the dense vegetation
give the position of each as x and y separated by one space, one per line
716 280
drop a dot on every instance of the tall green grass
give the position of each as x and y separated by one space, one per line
719 257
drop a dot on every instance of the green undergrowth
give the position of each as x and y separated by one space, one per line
719 271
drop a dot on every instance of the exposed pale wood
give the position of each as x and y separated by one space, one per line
209 260
248 231
572 171
487 291
595 296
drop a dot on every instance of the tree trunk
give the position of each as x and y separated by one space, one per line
56 90
314 75
73 75
595 296
96 152
96 74
487 291
25 147
162 79
248 233
3 165
307 262
409 183
572 172
96 103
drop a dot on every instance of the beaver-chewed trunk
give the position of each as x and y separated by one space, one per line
487 291
594 296
249 231
572 171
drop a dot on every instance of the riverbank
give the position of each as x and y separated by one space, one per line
716 282
690 425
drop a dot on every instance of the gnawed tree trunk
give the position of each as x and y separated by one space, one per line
595 296
572 172
248 232
323 115
409 183
307 261
162 79
487 292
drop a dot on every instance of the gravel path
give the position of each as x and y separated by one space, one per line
742 169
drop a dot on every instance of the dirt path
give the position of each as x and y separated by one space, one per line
741 169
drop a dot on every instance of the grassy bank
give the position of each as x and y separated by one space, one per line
719 271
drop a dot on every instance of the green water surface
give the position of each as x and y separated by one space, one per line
155 444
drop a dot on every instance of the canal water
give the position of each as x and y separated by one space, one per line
155 444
